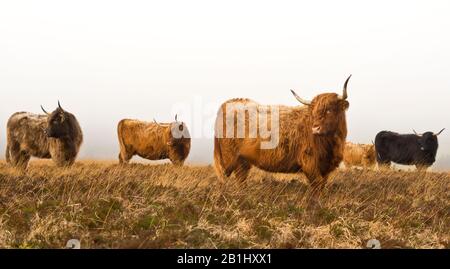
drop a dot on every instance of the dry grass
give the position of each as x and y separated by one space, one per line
141 206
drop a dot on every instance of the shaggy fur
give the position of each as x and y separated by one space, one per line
299 149
55 136
359 155
153 141
406 149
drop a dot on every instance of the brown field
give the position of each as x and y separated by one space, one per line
143 206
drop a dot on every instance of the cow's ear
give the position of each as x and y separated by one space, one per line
345 105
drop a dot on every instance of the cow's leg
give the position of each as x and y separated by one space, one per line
421 167
313 174
23 160
383 161
228 166
124 157
176 162
69 162
320 183
317 184
14 154
242 170
384 165
61 162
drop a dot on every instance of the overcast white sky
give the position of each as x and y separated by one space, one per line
108 60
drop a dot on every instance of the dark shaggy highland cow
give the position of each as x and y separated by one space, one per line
55 136
407 149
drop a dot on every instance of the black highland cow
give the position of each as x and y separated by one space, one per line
407 149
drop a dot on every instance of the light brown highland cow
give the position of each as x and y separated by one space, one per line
311 138
359 155
154 141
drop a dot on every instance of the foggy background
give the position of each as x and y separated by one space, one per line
108 60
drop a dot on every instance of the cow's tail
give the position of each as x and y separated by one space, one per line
8 143
218 157
122 147
218 160
8 154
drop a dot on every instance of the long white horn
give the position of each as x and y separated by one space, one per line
439 132
344 93
59 105
44 110
301 100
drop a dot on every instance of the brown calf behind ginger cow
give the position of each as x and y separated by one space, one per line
55 136
153 141
310 138
359 155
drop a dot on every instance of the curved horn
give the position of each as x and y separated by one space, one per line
176 118
416 133
301 100
59 105
344 92
44 110
439 132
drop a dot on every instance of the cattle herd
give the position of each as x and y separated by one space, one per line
311 140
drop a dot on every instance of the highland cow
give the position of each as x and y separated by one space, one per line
407 149
55 136
311 138
154 141
359 155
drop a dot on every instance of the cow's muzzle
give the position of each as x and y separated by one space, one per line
316 130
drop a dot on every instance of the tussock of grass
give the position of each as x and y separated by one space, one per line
141 206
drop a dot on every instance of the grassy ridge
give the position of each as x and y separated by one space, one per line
141 206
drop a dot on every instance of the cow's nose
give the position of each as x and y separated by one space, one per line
316 130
